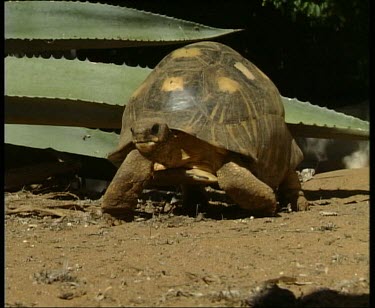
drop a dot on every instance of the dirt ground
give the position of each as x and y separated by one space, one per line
61 251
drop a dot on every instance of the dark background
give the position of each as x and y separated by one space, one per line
324 62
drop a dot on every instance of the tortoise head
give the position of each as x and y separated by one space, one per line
150 135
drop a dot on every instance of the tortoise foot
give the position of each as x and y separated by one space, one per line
122 194
290 192
246 190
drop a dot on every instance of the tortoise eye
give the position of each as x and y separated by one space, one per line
155 129
132 130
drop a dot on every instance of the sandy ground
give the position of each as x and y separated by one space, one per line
61 251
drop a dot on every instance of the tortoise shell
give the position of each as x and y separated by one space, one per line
210 91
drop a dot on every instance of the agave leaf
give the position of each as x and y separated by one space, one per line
72 79
68 92
47 25
77 140
307 120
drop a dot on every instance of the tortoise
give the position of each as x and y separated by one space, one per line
205 115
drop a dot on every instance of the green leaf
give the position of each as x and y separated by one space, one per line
72 79
317 11
74 25
68 92
83 141
307 120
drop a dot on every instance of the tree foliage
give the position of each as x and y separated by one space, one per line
330 12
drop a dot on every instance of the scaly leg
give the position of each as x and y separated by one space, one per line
246 190
123 192
290 192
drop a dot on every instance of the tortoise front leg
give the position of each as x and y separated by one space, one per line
123 192
290 192
246 190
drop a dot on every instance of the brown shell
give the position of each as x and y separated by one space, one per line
210 91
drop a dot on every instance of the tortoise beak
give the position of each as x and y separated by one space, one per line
145 147
146 136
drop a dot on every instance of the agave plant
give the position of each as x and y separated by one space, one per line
62 104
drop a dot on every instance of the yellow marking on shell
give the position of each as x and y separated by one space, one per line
186 53
249 134
263 74
173 84
159 167
184 155
233 136
248 126
228 85
201 175
196 119
222 115
244 70
213 136
214 111
251 110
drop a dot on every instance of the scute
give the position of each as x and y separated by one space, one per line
227 84
244 70
186 53
173 84
210 91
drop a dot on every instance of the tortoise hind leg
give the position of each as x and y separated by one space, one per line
290 192
123 192
246 190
